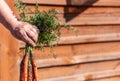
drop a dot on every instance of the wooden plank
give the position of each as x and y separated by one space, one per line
77 54
87 76
117 78
76 2
88 34
89 16
77 59
90 30
94 69
80 10
89 38
91 20
9 68
84 39
76 50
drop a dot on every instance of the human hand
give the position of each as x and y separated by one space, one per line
25 32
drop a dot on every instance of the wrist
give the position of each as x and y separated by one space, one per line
15 25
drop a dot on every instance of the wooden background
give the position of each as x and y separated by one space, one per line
93 55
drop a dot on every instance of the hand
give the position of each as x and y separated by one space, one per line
26 32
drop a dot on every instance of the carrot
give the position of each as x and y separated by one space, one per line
24 68
35 70
30 73
35 74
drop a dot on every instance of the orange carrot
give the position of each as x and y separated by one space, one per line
35 70
24 68
35 74
30 73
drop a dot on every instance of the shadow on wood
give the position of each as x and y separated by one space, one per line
77 2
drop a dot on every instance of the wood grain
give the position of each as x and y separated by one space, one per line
89 38
87 34
76 2
87 16
84 39
91 21
87 76
94 54
82 10
77 59
74 54
78 49
108 79
9 67
81 72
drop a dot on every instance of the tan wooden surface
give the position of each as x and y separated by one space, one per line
108 79
88 11
74 54
95 24
76 2
87 15
93 55
81 72
88 34
9 67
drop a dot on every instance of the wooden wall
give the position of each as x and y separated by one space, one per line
9 67
93 55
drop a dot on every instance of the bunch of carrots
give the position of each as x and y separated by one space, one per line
28 68
49 32
49 27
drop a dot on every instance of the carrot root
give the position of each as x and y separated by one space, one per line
35 73
28 69
24 68
30 73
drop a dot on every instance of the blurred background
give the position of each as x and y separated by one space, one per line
92 55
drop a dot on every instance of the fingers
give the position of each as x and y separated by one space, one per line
27 39
36 29
27 33
31 32
32 35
